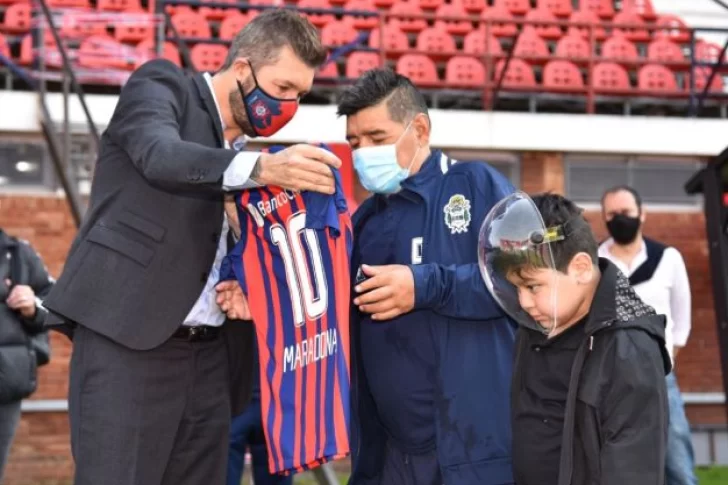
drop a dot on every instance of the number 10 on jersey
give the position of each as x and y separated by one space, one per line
304 298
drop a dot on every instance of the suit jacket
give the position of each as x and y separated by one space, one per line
144 250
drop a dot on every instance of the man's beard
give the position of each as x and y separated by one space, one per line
237 108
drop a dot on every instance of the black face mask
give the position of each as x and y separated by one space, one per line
623 229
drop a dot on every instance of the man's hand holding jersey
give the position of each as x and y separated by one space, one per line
232 301
388 291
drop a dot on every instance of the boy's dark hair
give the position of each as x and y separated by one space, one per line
404 100
555 210
625 188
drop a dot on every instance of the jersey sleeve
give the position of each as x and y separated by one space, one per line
322 210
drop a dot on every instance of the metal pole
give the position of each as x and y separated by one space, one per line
69 70
67 132
715 220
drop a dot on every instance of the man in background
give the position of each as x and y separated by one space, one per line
658 275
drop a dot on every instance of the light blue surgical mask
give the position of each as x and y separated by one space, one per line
378 169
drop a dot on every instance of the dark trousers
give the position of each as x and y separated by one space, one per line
155 417
247 431
9 419
405 469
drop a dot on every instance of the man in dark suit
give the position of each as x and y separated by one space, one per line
153 358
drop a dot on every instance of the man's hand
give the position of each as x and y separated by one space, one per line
231 300
298 167
21 299
388 292
232 215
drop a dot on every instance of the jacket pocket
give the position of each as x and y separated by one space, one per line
17 373
142 225
110 239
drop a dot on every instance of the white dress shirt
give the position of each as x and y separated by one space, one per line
236 177
668 291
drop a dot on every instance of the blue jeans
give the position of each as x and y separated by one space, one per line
247 431
680 461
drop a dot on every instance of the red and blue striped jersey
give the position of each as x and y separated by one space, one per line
292 262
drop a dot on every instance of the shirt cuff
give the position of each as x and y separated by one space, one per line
420 274
237 175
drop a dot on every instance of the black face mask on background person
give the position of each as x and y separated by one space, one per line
623 229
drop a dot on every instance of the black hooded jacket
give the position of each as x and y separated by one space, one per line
18 359
616 414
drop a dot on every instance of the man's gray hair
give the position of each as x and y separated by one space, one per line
261 40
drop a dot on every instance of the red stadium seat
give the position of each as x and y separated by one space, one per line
474 6
191 25
406 23
589 18
499 24
359 62
329 71
169 52
516 7
560 8
119 5
573 46
642 7
419 68
217 13
701 75
656 78
103 52
601 8
464 72
81 30
609 77
519 74
133 33
26 48
430 4
435 42
4 46
17 18
707 51
385 4
337 33
208 57
635 33
474 43
529 44
69 3
455 27
360 22
664 50
545 31
673 28
562 76
619 48
232 24
394 39
317 19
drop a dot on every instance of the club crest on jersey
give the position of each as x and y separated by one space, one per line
457 214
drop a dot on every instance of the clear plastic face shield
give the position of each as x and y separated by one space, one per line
516 262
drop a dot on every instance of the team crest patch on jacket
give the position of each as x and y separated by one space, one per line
457 214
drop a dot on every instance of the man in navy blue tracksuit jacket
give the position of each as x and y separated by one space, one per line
431 351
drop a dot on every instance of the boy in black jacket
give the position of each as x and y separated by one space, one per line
588 398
